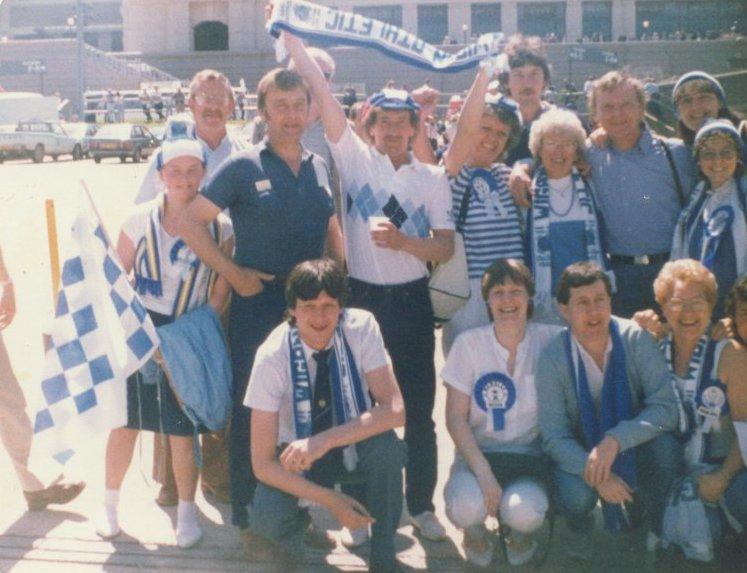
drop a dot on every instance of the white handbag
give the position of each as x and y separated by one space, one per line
449 281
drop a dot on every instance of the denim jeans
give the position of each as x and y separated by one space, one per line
275 514
658 462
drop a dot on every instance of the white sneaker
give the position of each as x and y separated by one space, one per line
354 537
479 558
188 530
520 549
652 541
107 524
429 526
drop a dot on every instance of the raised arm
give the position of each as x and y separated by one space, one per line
333 115
468 126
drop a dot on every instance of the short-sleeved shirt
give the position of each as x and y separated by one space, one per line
271 385
175 257
415 198
477 365
279 219
151 185
636 193
490 231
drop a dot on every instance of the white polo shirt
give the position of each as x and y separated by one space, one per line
416 198
478 366
271 386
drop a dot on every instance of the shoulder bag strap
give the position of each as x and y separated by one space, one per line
675 173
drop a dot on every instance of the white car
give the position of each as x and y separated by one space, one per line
36 139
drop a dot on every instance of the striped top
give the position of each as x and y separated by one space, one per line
488 235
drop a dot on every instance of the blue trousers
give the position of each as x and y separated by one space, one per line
658 463
250 321
405 316
735 497
635 288
275 514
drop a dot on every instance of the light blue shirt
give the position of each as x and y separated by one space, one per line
636 193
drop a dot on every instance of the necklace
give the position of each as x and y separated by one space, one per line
562 193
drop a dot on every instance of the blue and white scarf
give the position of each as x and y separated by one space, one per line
616 406
702 400
335 27
540 243
149 260
349 399
729 221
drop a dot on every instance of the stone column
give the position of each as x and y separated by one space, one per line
573 20
509 17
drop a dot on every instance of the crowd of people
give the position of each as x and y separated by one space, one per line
600 356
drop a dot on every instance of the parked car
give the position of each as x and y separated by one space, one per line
82 132
36 139
122 140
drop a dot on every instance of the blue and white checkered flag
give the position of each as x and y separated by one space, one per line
100 335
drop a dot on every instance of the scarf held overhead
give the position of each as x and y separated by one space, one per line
335 27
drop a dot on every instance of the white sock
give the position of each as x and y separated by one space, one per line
188 530
108 525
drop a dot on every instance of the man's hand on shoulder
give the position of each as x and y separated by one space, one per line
599 463
7 304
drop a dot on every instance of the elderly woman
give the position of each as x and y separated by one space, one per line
485 213
562 224
698 97
491 414
710 383
713 226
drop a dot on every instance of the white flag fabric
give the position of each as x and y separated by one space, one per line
325 25
100 335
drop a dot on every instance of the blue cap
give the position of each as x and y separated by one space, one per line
506 104
393 99
698 75
713 126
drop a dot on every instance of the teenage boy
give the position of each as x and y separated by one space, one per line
325 402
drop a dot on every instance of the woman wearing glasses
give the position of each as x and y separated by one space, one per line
562 224
710 384
713 227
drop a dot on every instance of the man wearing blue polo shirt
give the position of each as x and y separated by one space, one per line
396 218
277 194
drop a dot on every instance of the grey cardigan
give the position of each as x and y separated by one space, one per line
653 399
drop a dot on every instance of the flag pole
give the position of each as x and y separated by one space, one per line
101 221
54 252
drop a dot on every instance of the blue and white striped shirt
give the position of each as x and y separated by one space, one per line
487 235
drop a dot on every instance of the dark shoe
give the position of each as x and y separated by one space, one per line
262 550
58 493
167 497
318 538
220 494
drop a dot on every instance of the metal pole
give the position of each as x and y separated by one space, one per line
80 22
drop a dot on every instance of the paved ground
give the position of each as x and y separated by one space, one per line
62 539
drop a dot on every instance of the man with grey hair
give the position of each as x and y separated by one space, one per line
211 103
